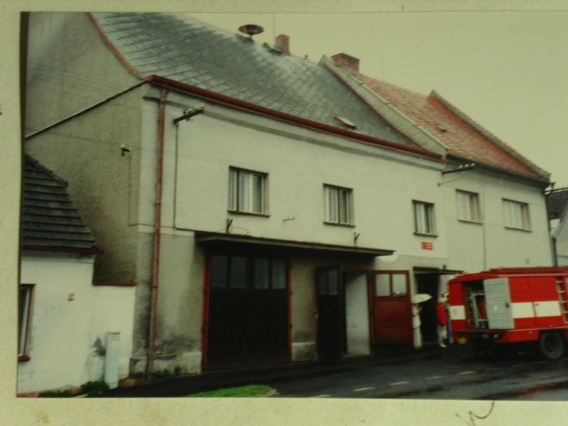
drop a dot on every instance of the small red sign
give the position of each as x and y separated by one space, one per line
427 246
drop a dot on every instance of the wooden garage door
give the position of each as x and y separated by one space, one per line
247 315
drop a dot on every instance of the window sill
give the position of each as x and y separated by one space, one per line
517 229
419 234
346 225
248 213
473 222
23 358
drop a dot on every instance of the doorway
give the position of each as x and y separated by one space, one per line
342 313
429 284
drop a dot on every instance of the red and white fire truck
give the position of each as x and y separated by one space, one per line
500 309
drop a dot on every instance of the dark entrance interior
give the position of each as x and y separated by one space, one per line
330 315
343 313
429 284
247 312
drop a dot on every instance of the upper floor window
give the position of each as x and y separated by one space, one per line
338 205
247 191
516 215
468 206
24 319
423 218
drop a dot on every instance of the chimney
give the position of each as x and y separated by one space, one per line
283 43
346 61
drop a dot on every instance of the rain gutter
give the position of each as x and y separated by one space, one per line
157 234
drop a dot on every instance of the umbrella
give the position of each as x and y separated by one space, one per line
419 298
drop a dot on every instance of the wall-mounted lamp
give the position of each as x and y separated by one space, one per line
460 168
190 112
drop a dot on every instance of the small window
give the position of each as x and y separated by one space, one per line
328 282
516 215
218 275
391 284
468 206
338 205
382 285
238 272
247 191
279 274
261 273
24 318
399 285
423 218
252 273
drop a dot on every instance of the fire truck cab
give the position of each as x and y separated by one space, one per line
500 309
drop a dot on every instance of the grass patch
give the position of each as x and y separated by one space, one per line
240 392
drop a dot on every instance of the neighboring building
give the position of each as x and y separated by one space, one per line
494 212
63 318
557 202
251 194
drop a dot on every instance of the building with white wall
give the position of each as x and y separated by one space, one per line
63 318
266 210
557 201
492 198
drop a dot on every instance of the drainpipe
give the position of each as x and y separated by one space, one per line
157 227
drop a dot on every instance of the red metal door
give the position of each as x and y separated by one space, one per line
391 309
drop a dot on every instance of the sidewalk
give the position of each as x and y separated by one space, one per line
213 380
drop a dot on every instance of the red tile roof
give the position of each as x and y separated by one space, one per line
462 136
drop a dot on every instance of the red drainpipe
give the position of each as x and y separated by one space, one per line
157 226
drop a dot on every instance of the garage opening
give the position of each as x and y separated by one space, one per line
247 312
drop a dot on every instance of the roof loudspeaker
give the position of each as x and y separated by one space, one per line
251 29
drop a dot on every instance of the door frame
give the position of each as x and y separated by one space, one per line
373 296
206 299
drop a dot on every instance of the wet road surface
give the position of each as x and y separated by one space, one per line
438 374
432 373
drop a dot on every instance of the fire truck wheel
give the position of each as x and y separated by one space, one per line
550 345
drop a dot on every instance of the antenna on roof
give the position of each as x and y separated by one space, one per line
251 29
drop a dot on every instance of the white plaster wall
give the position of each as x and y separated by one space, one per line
474 247
383 186
112 311
560 232
59 343
62 338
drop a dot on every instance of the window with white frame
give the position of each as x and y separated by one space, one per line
338 205
24 317
423 218
516 215
247 191
468 206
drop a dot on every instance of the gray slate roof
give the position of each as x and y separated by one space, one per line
181 48
50 220
557 202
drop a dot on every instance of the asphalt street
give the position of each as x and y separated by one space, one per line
432 373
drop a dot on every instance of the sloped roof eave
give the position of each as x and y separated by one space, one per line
351 81
112 47
62 250
541 180
298 121
491 137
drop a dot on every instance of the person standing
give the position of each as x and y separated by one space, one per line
416 326
442 321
